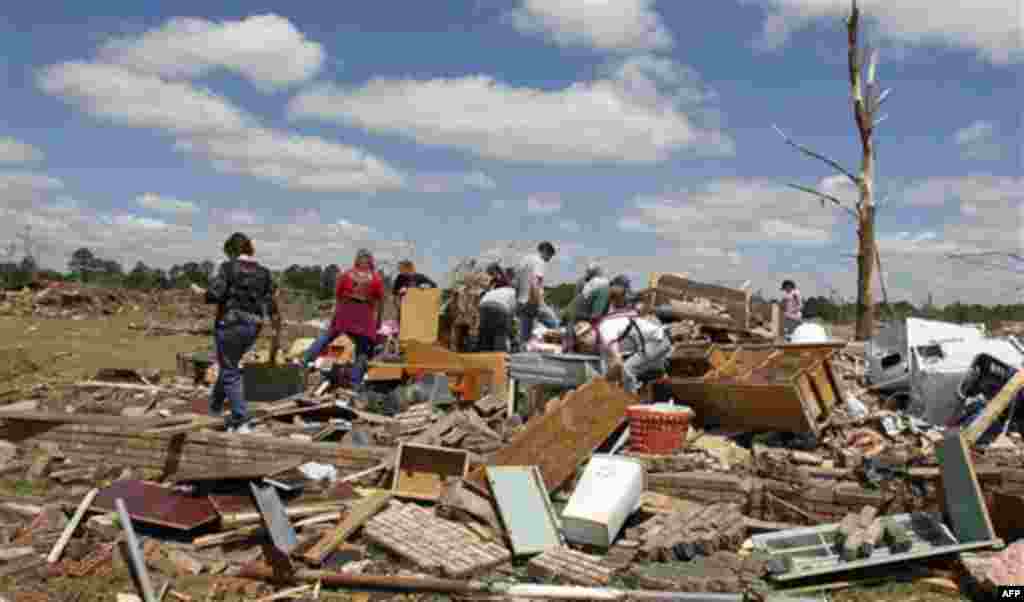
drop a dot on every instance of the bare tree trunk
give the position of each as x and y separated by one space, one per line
862 114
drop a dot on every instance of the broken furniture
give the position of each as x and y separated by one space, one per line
563 438
790 388
607 494
479 373
422 471
525 509
420 315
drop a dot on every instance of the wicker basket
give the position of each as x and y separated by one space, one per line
658 429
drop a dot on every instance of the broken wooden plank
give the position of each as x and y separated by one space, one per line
240 472
422 470
124 422
560 440
356 518
237 519
69 530
995 408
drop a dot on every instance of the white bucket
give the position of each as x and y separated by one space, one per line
607 494
809 332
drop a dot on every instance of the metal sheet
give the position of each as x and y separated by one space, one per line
153 504
814 552
965 505
275 520
525 509
568 370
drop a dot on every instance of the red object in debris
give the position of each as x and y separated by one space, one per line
658 429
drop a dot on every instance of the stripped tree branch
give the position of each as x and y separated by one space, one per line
832 163
824 197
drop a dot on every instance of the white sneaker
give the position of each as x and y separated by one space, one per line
242 429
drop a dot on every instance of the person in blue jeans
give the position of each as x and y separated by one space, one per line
244 293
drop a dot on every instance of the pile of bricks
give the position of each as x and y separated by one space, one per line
438 546
686 534
572 566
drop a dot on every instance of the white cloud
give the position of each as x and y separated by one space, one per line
977 141
209 126
126 237
16 151
978 190
615 25
266 49
641 111
452 182
164 204
987 27
724 213
22 189
543 204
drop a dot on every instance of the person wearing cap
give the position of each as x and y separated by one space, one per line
589 305
630 345
531 305
358 293
792 307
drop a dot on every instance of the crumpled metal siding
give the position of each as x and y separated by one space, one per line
560 370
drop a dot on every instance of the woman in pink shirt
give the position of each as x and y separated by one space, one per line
359 292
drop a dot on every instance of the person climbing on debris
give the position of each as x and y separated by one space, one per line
792 307
497 313
358 293
531 305
630 345
244 293
588 306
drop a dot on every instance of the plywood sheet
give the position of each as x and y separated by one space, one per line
771 407
560 440
421 310
156 505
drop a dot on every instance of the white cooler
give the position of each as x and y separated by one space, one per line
607 494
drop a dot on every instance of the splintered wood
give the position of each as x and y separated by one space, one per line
436 545
574 567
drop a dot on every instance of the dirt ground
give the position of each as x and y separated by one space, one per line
59 352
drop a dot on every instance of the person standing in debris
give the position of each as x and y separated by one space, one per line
631 345
358 293
589 305
792 307
408 278
244 293
530 291
497 313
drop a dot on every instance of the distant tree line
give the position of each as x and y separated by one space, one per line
319 282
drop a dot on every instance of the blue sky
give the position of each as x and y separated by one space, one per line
631 131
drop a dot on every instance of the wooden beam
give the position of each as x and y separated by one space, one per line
69 530
361 512
994 408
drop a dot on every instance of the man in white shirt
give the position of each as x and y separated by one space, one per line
792 307
530 301
631 345
589 304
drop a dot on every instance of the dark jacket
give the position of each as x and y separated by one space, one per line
243 290
413 280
